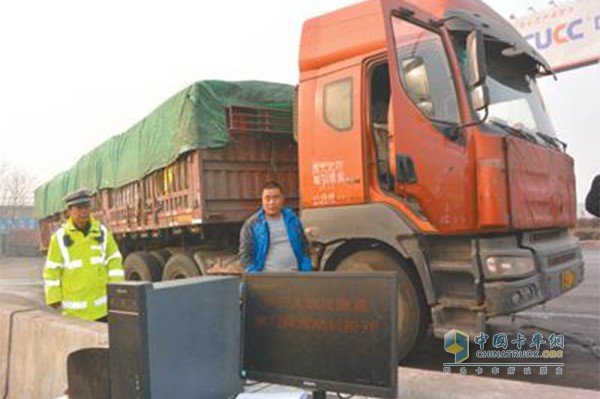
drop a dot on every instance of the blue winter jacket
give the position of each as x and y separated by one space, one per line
254 241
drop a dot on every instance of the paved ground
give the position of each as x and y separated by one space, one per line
576 315
22 278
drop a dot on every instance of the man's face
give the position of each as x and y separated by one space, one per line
272 201
80 213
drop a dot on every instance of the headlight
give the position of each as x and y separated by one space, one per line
508 266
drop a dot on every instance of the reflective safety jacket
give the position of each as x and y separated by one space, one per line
79 267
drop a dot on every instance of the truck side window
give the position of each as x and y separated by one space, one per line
337 104
425 72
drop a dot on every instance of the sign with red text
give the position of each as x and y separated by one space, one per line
321 331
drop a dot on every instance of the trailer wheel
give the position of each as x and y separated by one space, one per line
162 256
141 266
180 265
412 316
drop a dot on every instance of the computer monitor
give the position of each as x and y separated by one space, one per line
322 331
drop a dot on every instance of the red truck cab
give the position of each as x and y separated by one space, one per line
425 147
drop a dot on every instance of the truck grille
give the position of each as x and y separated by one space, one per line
545 236
562 258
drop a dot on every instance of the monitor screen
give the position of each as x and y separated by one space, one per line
322 331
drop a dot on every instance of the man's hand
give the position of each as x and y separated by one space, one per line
218 268
234 269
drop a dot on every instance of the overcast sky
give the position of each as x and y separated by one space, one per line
73 73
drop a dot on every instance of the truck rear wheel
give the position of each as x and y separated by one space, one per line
180 265
162 256
141 266
411 303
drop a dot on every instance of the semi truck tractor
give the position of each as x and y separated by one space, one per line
416 141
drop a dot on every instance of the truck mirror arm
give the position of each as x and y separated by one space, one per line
456 130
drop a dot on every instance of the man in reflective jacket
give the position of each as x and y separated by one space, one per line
83 258
273 239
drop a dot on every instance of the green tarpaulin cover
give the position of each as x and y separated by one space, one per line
193 118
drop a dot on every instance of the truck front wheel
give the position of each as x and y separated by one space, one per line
411 303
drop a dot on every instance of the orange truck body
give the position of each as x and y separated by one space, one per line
455 207
486 183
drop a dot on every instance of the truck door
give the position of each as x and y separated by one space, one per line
431 155
331 144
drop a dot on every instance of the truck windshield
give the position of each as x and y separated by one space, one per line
514 94
515 99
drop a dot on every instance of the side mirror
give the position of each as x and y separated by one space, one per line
476 66
480 97
477 71
426 106
416 81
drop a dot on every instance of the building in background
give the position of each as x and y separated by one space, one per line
19 232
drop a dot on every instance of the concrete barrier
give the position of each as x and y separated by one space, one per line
34 345
6 312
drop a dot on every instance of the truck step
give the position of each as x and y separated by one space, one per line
458 266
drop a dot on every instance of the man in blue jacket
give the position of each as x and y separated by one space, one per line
272 239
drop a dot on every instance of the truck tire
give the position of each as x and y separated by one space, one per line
180 265
141 266
412 316
162 256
